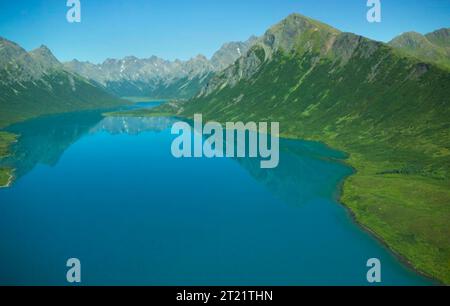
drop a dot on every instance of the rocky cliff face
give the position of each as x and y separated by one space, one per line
45 58
16 64
296 33
230 52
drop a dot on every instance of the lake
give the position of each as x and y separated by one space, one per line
109 192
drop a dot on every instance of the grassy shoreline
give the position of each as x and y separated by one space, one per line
418 253
6 178
406 212
402 258
6 140
368 230
393 207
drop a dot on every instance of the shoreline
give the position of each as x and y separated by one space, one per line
352 214
339 198
10 181
408 264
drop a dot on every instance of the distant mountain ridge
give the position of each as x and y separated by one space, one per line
158 78
433 47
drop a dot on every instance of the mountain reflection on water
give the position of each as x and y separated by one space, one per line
114 196
133 125
306 170
44 141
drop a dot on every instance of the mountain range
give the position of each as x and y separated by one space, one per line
35 83
157 78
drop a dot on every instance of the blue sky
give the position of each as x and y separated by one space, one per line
184 28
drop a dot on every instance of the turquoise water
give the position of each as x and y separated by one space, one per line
109 192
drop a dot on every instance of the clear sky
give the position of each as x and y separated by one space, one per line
184 28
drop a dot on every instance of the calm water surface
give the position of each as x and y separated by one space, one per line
109 192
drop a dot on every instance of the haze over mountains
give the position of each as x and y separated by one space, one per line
35 83
158 78
434 46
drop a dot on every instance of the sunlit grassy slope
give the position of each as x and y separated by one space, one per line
391 114
433 47
55 93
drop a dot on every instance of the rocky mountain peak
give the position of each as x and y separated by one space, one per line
433 47
440 37
200 57
409 40
10 51
296 30
45 58
230 52
18 63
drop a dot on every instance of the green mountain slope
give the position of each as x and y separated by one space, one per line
440 37
53 93
433 47
389 111
34 84
184 88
